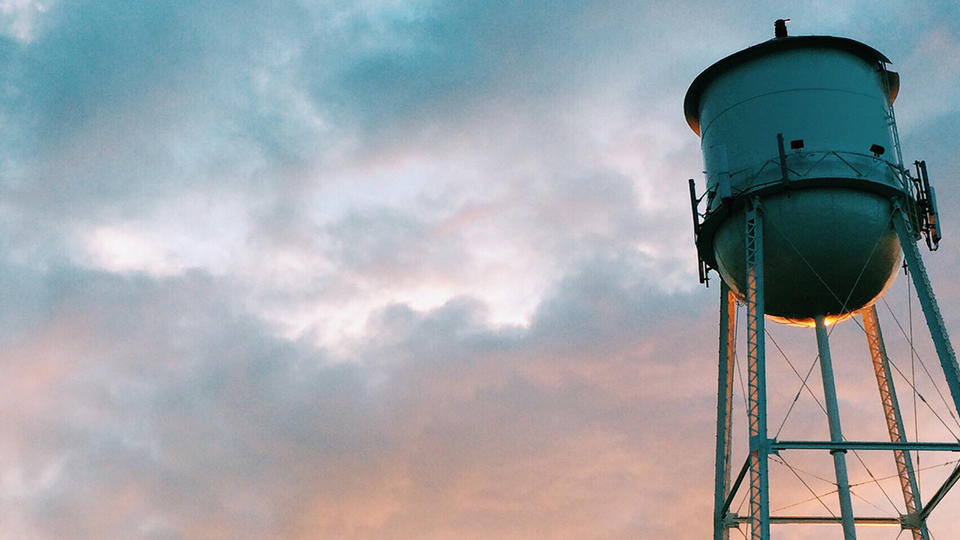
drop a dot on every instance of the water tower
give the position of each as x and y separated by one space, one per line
807 212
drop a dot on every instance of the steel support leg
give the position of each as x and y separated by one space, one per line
931 311
891 411
836 434
728 334
757 406
938 496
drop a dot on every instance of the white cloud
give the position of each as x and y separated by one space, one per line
19 19
193 232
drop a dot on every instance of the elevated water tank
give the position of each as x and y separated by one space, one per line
805 124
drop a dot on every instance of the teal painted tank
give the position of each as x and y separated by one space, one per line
805 126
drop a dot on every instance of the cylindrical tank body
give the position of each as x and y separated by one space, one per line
804 124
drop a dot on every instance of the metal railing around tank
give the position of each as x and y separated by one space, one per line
808 168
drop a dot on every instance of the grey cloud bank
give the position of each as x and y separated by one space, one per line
136 401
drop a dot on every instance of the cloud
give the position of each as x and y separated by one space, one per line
164 403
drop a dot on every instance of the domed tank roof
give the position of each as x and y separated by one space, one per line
691 103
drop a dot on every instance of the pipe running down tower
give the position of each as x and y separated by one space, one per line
807 212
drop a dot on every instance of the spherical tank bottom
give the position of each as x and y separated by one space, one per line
826 251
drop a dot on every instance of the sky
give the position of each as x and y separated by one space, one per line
403 269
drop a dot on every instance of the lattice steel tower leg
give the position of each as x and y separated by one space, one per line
757 385
891 411
938 331
931 311
728 341
836 434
